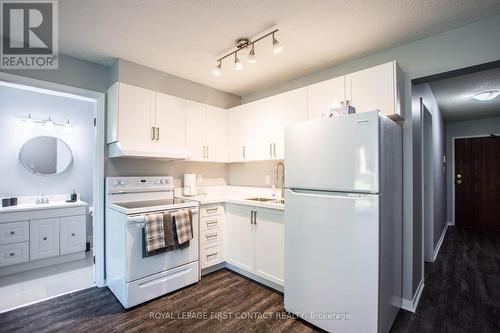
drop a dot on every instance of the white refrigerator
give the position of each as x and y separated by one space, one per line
343 222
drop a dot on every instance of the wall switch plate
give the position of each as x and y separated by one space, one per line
268 179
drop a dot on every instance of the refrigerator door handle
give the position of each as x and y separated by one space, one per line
347 195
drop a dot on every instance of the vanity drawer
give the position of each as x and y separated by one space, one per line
212 255
212 223
14 232
12 254
211 236
211 210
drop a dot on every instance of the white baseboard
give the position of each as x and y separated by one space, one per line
440 242
411 305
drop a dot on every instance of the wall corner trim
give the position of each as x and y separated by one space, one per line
411 305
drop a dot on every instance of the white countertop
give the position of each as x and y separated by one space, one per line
234 194
51 205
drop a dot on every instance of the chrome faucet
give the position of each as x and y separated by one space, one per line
42 200
280 181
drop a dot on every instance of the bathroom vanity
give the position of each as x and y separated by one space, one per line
36 235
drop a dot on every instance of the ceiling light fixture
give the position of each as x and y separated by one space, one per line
251 58
218 70
486 95
237 64
48 124
244 43
277 47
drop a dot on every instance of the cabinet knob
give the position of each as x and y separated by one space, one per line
44 238
11 254
73 234
12 232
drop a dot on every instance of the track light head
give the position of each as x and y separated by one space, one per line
277 47
218 70
237 64
251 56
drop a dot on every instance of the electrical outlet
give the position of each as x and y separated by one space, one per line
268 179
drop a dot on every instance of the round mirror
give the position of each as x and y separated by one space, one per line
46 155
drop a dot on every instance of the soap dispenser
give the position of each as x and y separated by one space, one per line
73 196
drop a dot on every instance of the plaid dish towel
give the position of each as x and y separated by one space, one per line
155 236
183 226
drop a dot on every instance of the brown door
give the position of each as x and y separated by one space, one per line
477 183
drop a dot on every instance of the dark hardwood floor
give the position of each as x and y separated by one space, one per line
462 294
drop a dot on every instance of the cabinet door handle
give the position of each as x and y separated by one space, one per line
271 150
211 236
207 151
157 134
244 149
73 235
12 232
211 209
212 254
251 217
255 217
274 149
211 223
44 238
152 133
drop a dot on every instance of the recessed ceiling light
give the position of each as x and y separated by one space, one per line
486 95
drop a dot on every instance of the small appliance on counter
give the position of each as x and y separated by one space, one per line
73 197
6 202
189 184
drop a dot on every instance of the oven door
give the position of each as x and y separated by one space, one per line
139 266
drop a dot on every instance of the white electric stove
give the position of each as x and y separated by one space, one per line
133 277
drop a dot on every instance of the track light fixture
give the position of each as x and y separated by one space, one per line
47 124
244 43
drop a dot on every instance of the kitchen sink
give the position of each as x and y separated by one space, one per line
268 200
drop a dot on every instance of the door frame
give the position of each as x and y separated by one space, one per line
427 221
98 99
453 168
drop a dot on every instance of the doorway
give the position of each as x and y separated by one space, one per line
76 117
477 182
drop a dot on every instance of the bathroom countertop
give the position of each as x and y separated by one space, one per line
52 205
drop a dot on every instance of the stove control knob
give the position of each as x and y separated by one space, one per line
115 183
162 181
122 182
157 182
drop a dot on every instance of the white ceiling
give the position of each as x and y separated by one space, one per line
184 37
454 96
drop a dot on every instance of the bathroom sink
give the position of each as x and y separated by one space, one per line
268 200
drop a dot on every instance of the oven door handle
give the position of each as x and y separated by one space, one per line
142 218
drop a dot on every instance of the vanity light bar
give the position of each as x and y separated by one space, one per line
47 123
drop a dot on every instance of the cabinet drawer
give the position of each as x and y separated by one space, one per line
212 223
14 232
72 234
12 254
212 255
211 236
212 210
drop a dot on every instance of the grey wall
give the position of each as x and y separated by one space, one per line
438 209
466 46
149 78
461 129
15 104
252 173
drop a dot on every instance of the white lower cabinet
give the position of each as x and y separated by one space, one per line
212 235
44 238
72 234
255 241
12 254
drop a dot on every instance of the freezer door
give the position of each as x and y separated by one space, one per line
331 259
334 154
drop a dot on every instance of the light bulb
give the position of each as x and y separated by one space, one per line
237 64
49 124
68 127
29 122
277 47
251 56
218 70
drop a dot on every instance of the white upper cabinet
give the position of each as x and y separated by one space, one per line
239 133
322 96
288 108
207 132
196 130
131 116
170 124
261 127
144 123
376 88
217 126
